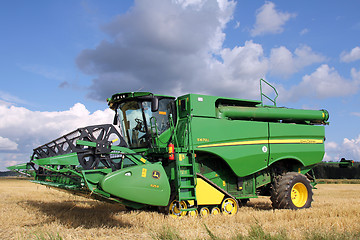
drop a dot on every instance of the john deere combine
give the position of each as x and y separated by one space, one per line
194 154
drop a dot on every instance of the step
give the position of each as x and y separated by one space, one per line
185 187
185 165
186 175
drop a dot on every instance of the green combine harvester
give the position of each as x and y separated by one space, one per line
195 154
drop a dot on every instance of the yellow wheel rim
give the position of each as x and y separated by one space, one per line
299 195
229 206
193 213
215 211
204 212
174 209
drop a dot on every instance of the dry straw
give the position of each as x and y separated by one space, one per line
30 211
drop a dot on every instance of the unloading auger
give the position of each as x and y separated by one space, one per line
195 154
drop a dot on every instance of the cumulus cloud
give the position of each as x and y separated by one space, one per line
355 75
284 63
7 145
240 66
325 82
173 48
349 149
351 56
22 129
269 20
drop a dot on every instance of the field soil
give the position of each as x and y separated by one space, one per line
32 211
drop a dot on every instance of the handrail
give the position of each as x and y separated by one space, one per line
263 94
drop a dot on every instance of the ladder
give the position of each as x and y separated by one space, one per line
186 175
186 179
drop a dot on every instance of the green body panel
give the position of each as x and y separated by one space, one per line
306 152
66 159
21 166
234 141
247 136
147 184
93 177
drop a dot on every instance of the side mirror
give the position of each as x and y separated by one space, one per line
154 104
115 122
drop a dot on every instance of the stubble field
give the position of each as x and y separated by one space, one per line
31 211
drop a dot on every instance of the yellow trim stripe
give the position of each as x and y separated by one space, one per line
274 141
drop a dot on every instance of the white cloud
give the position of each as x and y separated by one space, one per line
269 20
325 82
7 145
22 129
8 99
171 48
304 31
351 56
175 47
331 152
284 63
331 146
355 75
348 149
351 148
240 66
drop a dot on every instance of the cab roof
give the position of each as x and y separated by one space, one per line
121 97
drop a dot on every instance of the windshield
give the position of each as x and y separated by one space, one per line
138 122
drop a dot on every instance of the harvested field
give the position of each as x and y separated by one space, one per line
30 211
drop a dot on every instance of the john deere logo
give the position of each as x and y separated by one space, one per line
156 174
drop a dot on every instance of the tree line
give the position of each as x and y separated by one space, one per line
336 171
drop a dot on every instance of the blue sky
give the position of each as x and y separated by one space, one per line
60 60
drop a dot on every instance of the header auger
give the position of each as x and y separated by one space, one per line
190 155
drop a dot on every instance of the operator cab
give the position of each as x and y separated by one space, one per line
141 118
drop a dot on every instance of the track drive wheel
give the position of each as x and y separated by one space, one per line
291 190
229 206
193 213
204 212
174 208
215 211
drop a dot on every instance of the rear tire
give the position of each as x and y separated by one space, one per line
291 190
